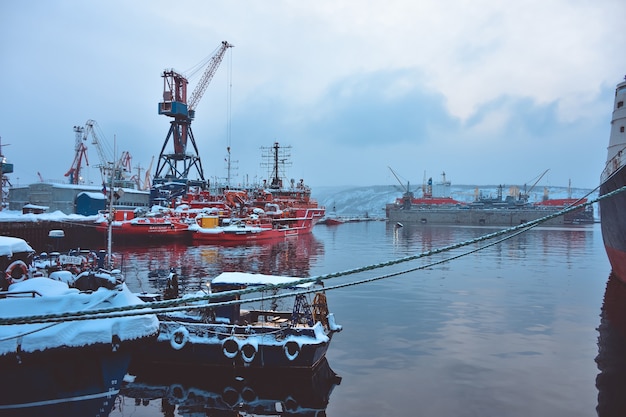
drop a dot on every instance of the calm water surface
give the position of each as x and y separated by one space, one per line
513 330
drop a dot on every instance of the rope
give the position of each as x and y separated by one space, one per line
181 304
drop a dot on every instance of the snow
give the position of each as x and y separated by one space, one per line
94 196
244 278
11 245
17 216
56 297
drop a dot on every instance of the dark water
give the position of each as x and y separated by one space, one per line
514 330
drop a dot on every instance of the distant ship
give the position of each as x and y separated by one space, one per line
436 206
613 209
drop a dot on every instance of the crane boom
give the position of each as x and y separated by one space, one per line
215 62
407 187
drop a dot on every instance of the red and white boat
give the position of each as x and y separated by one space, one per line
261 226
612 213
161 226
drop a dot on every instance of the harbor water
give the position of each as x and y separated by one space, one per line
515 329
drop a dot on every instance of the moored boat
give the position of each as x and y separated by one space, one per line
613 177
60 366
167 225
263 336
262 226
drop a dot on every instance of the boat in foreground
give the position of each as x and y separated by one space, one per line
612 209
65 366
264 336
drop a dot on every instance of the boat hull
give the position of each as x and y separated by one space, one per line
63 381
613 222
147 230
221 345
475 216
247 235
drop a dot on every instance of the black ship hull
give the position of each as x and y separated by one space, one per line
613 222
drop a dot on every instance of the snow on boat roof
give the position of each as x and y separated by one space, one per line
245 278
11 245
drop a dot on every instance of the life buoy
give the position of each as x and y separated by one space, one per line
179 338
248 352
248 394
16 272
230 396
230 347
292 350
177 394
291 404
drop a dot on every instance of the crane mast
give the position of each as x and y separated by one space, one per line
80 153
175 167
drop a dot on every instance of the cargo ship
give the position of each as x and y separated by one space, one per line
485 210
612 217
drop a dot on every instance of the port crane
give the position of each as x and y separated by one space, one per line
175 166
80 154
112 173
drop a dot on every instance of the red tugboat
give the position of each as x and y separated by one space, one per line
154 226
612 212
263 226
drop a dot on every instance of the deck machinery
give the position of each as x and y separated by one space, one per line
171 177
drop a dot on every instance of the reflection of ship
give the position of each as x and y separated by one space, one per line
195 263
229 393
613 178
611 381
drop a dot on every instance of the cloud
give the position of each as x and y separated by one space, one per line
354 87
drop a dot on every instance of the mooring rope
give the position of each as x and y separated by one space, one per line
182 304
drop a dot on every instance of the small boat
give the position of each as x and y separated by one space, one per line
63 366
612 215
247 391
264 336
261 226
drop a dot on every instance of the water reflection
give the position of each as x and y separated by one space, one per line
611 359
228 392
147 268
542 243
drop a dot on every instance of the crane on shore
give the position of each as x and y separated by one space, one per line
175 166
80 154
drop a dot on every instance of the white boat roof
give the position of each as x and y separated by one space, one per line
11 245
246 278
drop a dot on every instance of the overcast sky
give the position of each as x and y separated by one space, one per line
491 92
